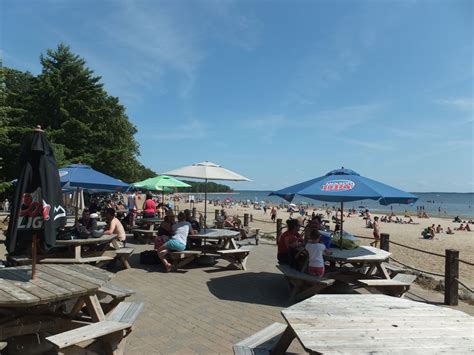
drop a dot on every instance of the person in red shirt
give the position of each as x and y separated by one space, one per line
289 239
149 207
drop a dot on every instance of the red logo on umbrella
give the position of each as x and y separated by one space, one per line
338 185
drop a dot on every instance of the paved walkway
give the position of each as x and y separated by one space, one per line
206 310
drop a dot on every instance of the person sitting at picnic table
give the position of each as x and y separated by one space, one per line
315 250
93 206
196 228
114 226
288 242
86 225
149 207
161 210
177 242
313 224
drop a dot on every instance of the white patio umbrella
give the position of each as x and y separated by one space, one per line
207 171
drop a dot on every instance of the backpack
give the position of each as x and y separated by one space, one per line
149 257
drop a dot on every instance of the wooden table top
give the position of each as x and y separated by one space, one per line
54 283
212 233
360 254
379 323
101 240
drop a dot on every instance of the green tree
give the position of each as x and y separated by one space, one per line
83 123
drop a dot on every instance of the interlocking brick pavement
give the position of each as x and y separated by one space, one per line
204 310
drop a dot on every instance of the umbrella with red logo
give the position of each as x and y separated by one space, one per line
345 185
37 210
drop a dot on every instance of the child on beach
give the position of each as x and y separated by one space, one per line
376 232
315 251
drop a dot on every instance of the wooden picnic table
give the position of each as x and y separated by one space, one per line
224 236
30 306
356 324
102 243
62 305
361 256
223 246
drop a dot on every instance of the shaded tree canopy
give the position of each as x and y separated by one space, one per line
84 123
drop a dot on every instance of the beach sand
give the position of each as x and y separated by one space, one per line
406 234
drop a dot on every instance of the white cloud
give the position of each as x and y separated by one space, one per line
372 145
461 103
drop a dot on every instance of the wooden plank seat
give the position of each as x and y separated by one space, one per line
302 285
236 257
117 293
123 254
179 259
397 286
263 342
394 270
81 260
112 331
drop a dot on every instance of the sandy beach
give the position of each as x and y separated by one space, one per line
406 234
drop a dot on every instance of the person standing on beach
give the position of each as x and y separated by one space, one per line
273 214
376 232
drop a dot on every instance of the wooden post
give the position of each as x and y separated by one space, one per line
34 254
246 219
251 217
216 215
278 228
194 212
451 273
385 241
257 236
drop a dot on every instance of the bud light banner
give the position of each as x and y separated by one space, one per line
37 205
338 185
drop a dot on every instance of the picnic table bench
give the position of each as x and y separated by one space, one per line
114 328
181 258
397 286
236 257
302 285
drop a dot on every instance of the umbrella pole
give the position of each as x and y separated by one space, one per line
205 204
77 204
342 224
34 252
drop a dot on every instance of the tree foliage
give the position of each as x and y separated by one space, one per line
84 123
200 187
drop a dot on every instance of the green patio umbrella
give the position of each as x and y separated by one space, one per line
160 183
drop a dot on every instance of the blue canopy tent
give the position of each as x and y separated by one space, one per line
345 185
76 177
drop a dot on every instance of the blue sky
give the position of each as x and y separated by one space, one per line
279 91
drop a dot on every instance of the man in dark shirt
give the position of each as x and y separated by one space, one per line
86 225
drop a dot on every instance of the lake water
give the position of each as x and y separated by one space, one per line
450 204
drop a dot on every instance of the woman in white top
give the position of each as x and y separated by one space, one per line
177 242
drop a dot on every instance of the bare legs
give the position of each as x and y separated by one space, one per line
162 251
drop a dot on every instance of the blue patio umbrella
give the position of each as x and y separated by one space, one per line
84 177
345 185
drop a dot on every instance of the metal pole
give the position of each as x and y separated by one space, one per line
205 204
342 224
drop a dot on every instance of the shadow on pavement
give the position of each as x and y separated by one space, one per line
251 287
